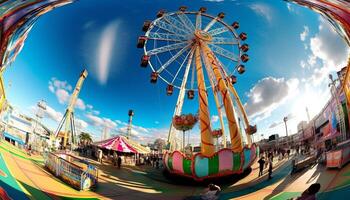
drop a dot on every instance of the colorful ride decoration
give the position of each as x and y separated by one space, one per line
184 122
222 163
217 133
76 172
198 54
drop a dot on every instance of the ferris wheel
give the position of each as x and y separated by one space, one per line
176 44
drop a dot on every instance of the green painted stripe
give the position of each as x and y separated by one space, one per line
236 161
170 163
187 166
214 165
21 156
285 195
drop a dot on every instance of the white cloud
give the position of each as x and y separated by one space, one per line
81 124
214 118
289 7
302 64
268 94
52 88
60 84
133 132
262 10
62 96
89 24
53 114
62 91
100 122
305 33
89 106
329 47
80 104
105 50
312 60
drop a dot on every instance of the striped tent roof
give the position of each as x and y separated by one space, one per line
122 144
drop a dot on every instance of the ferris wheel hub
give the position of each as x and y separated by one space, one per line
202 35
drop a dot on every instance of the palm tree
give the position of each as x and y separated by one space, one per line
85 138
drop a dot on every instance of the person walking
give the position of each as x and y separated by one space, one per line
261 165
270 168
115 157
100 154
119 162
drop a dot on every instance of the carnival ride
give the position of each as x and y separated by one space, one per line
69 133
176 44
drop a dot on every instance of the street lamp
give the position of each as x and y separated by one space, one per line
285 119
130 114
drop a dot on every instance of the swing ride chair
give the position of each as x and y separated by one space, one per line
183 43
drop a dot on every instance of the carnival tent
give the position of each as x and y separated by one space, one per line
122 144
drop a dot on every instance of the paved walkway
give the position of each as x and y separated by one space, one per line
24 177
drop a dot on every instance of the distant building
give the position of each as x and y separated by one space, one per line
19 129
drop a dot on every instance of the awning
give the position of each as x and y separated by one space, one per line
19 140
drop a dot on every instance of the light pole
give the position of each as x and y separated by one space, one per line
285 119
130 114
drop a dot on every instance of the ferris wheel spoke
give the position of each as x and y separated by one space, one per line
172 59
223 52
176 24
169 27
167 48
199 21
223 40
211 23
167 37
182 64
186 21
218 31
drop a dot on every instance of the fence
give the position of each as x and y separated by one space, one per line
76 172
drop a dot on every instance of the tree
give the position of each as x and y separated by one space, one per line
159 144
85 138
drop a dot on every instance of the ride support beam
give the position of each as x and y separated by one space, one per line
240 106
235 135
180 101
216 98
239 103
207 141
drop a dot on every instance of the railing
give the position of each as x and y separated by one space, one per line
80 177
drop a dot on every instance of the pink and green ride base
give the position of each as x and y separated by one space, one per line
222 163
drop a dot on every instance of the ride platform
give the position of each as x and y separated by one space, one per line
223 163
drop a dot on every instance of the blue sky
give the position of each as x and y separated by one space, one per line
292 51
